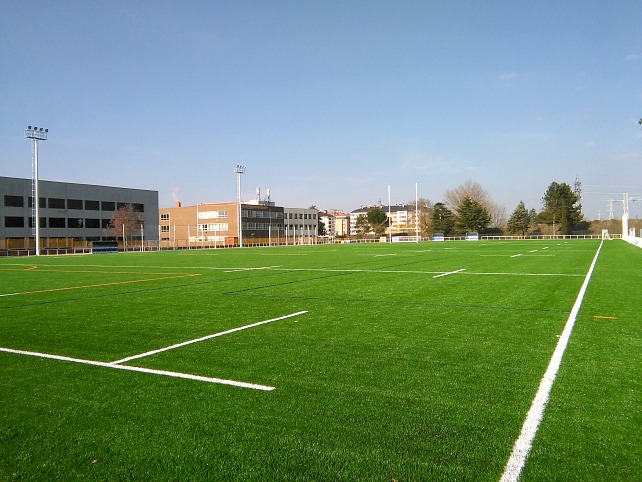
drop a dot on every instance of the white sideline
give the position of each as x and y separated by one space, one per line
524 442
143 370
178 345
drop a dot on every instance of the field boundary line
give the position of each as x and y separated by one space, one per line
524 442
203 338
187 376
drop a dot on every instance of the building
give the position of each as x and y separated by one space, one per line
216 225
402 218
335 222
301 225
71 215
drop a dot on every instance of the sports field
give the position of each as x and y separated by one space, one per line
344 362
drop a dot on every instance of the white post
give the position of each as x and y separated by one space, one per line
36 196
389 218
142 237
416 214
124 241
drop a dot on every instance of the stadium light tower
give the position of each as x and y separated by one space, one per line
239 170
36 134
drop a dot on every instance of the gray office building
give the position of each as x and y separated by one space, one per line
70 214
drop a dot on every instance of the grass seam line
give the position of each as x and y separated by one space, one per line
524 442
187 376
203 338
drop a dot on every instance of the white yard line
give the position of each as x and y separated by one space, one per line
516 255
178 345
235 270
524 442
450 272
142 370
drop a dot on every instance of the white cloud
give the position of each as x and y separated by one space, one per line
628 156
508 78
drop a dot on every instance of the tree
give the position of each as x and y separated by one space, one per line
378 220
521 219
361 225
561 207
425 214
474 190
472 216
126 220
442 220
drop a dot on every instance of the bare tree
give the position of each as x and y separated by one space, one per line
475 192
126 221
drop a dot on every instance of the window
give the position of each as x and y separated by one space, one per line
92 205
56 203
56 222
74 203
14 201
14 222
75 222
214 214
42 202
164 217
138 208
164 229
106 223
43 222
108 206
92 223
121 205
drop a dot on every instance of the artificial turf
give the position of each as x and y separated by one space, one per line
411 362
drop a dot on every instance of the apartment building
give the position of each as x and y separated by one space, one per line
402 217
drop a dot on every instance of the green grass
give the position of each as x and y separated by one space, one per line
392 374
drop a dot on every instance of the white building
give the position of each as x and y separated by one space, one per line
301 225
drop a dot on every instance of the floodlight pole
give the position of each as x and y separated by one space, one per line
36 134
239 170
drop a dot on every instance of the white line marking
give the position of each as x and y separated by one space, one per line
533 251
178 345
142 370
516 255
450 272
390 254
251 269
524 442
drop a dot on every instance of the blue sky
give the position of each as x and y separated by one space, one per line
327 102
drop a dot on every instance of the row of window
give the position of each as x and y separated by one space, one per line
300 216
58 203
208 215
248 213
304 227
19 222
213 227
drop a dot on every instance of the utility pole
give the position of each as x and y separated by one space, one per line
239 170
36 134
